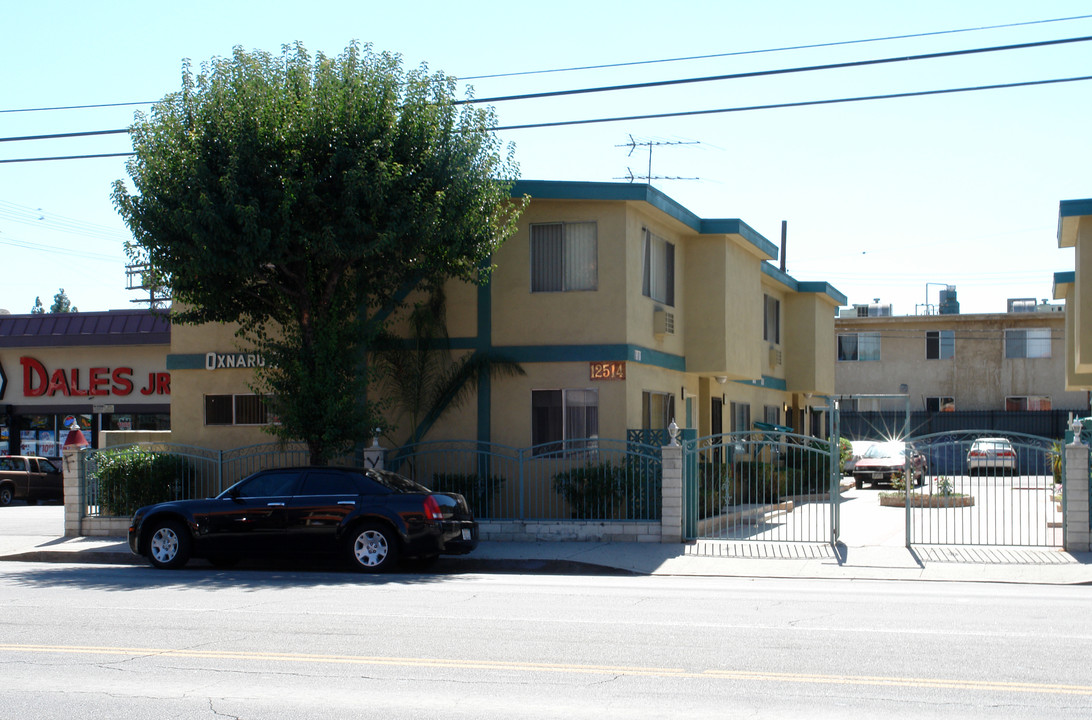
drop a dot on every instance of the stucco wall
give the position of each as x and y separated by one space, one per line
978 376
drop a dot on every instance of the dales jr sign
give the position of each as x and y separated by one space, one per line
40 381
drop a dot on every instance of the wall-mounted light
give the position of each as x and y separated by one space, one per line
721 379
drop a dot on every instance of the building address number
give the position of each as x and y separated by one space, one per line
608 370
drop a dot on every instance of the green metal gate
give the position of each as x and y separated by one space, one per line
769 485
985 487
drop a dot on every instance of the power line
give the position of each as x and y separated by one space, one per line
68 157
39 218
664 83
55 250
686 113
58 136
774 50
766 73
76 107
776 106
642 62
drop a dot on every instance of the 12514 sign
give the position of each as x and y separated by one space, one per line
608 370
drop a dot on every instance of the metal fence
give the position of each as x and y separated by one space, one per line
763 486
594 479
890 424
170 471
1002 499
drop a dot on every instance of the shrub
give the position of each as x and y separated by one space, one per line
641 482
132 478
713 495
810 465
758 482
591 491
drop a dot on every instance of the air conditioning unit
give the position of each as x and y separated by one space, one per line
663 322
775 357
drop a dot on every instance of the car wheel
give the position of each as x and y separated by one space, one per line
372 548
6 495
858 484
169 545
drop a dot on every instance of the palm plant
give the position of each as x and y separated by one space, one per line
420 378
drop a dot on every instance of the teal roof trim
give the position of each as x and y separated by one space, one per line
638 192
1075 208
771 383
812 286
1066 277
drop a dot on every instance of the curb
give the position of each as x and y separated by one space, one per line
453 564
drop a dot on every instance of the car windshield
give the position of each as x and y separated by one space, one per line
885 450
992 445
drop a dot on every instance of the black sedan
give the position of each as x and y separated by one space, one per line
370 517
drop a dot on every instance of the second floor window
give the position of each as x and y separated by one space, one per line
859 346
658 274
939 344
564 257
1027 402
940 403
1030 343
771 319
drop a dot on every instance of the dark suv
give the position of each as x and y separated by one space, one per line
29 478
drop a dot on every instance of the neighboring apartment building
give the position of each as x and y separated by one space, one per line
949 361
624 309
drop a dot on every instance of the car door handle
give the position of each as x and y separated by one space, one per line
347 502
275 504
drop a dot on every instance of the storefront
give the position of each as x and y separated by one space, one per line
100 370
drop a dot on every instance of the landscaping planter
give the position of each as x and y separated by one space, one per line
926 501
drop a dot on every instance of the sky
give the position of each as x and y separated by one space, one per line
888 200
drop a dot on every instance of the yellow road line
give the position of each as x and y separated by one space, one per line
515 666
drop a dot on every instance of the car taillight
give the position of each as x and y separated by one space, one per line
1005 453
977 453
432 509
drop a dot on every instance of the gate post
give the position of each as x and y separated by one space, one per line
1076 532
671 514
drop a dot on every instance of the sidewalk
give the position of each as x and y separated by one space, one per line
703 559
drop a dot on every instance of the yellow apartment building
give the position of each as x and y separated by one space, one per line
1075 288
625 311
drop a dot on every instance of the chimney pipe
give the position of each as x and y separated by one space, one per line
784 241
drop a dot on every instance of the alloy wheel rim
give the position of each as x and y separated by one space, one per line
370 548
164 545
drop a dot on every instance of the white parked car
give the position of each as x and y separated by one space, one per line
991 454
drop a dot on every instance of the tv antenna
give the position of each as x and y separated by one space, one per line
633 144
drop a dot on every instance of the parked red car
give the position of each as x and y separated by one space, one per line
881 462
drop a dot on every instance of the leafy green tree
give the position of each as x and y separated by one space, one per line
302 199
61 304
